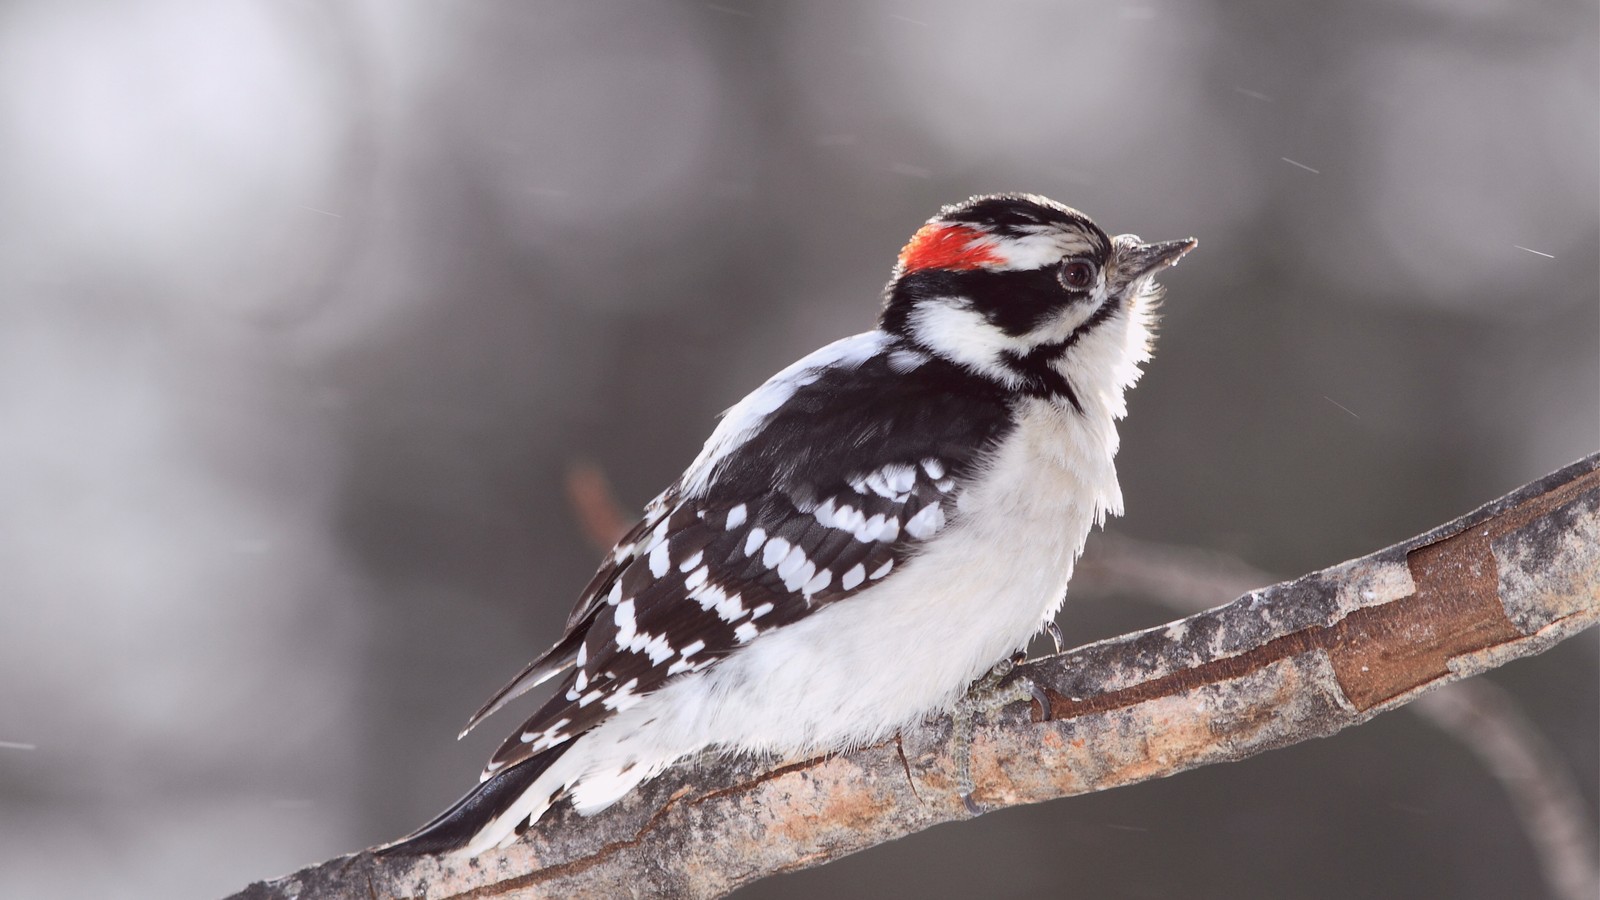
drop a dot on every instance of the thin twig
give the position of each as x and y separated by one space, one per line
1485 719
600 517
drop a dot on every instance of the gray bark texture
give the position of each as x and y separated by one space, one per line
1301 659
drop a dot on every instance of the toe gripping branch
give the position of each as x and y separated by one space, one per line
1005 684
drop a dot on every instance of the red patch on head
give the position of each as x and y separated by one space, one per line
947 247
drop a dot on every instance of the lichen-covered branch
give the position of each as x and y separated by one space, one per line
1282 664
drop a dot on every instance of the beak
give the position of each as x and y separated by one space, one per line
1136 259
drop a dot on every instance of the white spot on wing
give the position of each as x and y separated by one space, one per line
927 522
854 577
791 563
623 697
819 583
758 536
692 561
708 596
878 528
696 578
626 627
879 484
659 562
824 514
901 478
848 518
658 535
550 737
729 607
744 633
736 517
686 665
630 638
796 579
777 550
657 648
882 570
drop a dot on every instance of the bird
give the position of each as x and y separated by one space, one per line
861 537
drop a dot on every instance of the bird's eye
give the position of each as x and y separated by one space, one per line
1077 275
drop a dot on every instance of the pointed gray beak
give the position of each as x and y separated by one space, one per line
1136 259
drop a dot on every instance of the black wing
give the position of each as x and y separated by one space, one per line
790 521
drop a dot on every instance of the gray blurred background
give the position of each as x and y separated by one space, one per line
307 308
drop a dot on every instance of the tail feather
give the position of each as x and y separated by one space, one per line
456 827
554 661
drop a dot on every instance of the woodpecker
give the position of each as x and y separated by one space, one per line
862 536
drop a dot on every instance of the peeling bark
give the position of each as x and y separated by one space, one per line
1280 665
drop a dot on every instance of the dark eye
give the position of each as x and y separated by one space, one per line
1077 275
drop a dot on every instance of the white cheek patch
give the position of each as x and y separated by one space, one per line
954 330
961 334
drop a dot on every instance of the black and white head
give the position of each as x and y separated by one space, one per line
1023 291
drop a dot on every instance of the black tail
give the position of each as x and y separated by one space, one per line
453 828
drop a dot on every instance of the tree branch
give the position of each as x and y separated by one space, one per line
1280 665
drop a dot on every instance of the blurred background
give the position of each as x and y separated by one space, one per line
308 308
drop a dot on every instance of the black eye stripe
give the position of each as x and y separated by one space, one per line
1014 302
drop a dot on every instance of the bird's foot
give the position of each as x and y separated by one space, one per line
1001 687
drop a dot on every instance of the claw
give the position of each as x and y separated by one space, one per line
900 747
1042 698
1054 630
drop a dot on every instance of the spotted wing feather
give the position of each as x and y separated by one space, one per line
787 526
709 587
